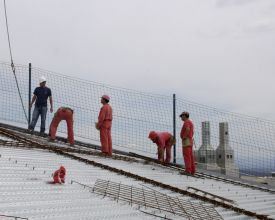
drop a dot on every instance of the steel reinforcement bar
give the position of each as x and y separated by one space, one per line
204 175
87 149
64 152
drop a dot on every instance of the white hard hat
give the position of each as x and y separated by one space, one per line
42 79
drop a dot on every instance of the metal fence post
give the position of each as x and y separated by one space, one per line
174 125
30 84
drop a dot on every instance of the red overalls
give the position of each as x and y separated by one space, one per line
105 118
163 141
187 147
59 175
63 113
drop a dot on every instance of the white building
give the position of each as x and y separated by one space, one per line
225 154
206 154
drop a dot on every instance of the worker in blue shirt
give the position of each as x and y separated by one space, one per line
41 95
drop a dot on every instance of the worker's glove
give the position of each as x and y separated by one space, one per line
172 140
96 126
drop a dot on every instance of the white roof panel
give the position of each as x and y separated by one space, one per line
25 190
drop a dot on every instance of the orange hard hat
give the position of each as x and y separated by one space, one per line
62 168
153 135
106 97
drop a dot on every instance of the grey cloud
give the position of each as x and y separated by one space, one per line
240 30
215 52
260 26
249 20
225 3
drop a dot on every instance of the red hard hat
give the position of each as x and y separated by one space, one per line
106 97
62 169
153 135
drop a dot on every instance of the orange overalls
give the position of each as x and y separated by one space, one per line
104 124
63 113
59 175
163 141
187 146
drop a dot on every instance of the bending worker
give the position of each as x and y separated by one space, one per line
59 175
63 113
164 141
104 125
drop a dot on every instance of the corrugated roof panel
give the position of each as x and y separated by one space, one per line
26 174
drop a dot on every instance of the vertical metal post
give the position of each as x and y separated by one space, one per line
30 85
174 126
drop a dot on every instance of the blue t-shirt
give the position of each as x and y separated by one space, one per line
42 94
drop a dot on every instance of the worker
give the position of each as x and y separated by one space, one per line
104 125
186 135
63 113
41 95
164 141
59 175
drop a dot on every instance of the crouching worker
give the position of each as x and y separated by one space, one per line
164 141
59 175
63 113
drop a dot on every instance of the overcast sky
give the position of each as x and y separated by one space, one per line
219 53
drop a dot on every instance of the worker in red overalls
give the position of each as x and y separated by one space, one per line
59 175
104 125
63 113
164 141
186 135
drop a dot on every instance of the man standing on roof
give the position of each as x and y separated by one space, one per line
164 141
63 113
104 125
40 97
186 135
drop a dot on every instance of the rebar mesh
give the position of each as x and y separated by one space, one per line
155 200
136 113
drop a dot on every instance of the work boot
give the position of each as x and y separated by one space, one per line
43 134
186 173
30 131
105 154
51 140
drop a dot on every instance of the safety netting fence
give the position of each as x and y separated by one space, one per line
248 145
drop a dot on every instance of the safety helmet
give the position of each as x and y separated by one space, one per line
106 97
62 168
153 135
42 79
186 114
